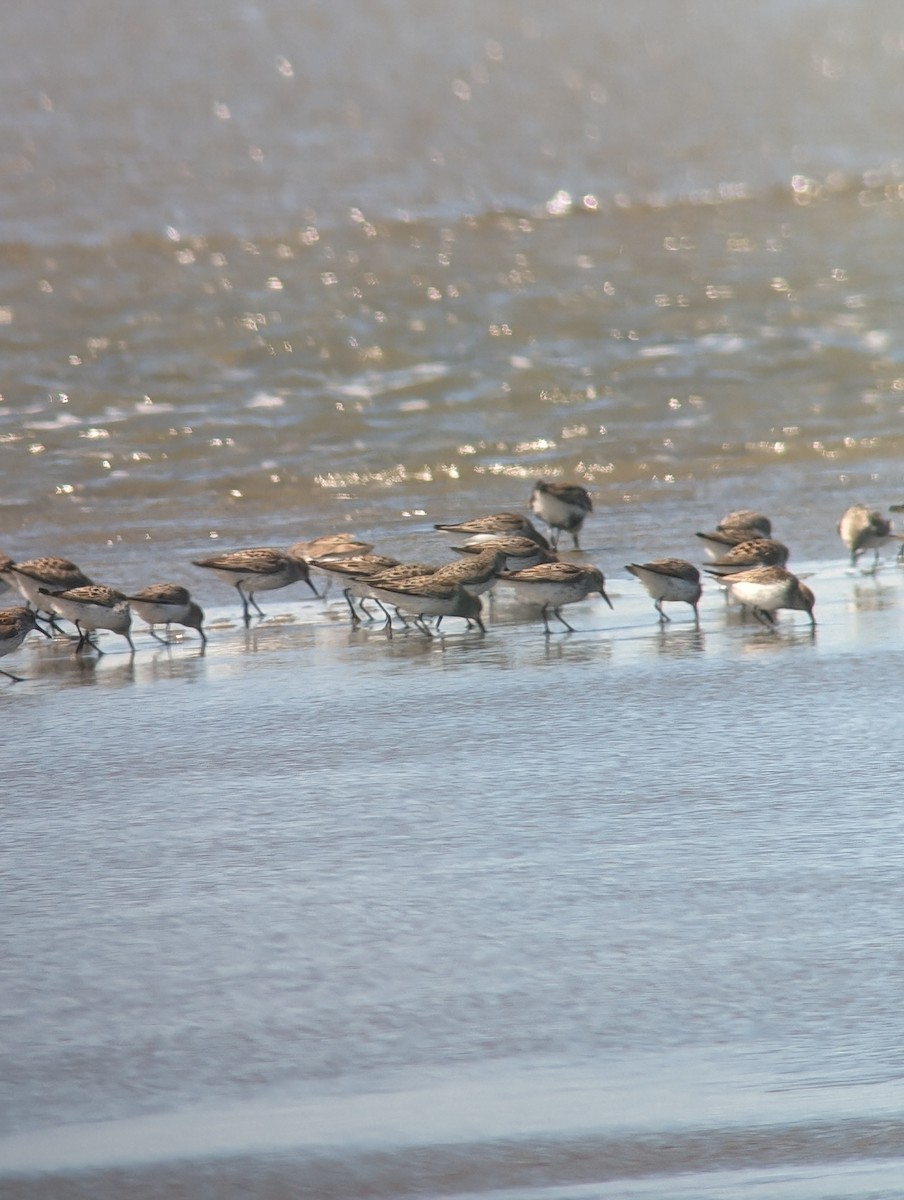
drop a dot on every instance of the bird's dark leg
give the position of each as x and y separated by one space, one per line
557 613
246 616
14 678
356 620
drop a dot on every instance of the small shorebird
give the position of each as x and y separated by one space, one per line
562 506
426 597
167 604
767 589
717 542
670 579
331 546
16 624
260 569
55 574
501 524
862 530
746 518
90 608
477 573
351 572
396 576
551 585
519 551
760 552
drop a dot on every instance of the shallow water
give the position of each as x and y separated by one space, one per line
603 914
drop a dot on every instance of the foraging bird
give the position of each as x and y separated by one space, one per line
426 597
720 540
477 573
670 579
352 572
331 546
862 530
501 524
167 604
16 624
552 585
90 608
746 518
49 571
767 589
519 551
260 569
760 552
562 506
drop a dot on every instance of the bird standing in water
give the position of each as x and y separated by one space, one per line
562 506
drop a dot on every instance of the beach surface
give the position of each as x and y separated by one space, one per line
315 912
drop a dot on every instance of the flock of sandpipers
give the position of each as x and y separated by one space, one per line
503 549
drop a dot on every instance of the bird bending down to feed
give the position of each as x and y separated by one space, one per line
552 585
767 589
260 569
760 552
501 524
670 579
426 597
167 604
16 624
519 551
91 608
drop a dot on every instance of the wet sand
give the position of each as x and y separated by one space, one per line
155 798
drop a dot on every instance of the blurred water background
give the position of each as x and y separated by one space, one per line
270 270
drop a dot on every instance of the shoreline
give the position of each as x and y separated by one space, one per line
308 623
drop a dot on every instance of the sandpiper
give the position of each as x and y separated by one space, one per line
395 576
330 546
501 524
260 569
477 573
717 542
760 552
167 604
552 585
55 574
16 624
767 589
747 518
350 572
519 551
6 565
562 506
670 579
862 530
92 607
426 597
